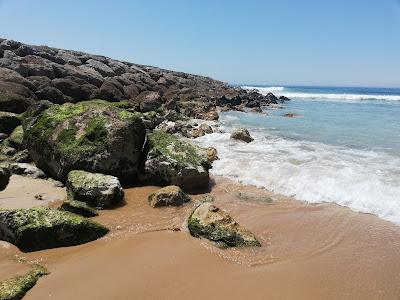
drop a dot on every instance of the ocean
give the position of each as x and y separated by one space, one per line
344 147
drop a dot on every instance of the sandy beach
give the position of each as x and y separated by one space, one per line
319 251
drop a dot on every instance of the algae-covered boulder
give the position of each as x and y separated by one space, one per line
4 177
168 196
173 161
95 136
43 228
16 138
210 222
95 189
8 122
242 134
79 208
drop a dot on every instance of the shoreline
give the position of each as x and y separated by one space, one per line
315 249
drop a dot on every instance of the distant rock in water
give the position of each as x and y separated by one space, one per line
283 98
291 115
210 222
95 136
44 228
241 134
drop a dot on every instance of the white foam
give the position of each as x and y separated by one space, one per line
323 96
364 181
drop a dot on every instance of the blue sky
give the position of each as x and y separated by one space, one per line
350 43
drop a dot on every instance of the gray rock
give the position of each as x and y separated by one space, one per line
241 134
25 169
100 67
210 222
95 189
149 101
168 196
15 97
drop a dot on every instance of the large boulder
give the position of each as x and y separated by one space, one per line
43 228
172 161
210 222
93 188
241 134
4 178
15 97
8 122
95 136
168 196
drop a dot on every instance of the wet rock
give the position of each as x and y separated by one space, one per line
16 138
95 136
211 154
172 161
78 208
95 189
210 222
44 228
4 178
283 98
168 196
291 115
241 134
25 169
8 122
21 157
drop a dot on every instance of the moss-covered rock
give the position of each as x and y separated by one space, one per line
95 189
168 196
173 161
96 136
43 228
8 122
16 138
4 177
79 208
210 222
16 288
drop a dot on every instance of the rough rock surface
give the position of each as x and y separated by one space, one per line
4 178
95 136
210 222
30 73
94 189
168 196
241 134
172 161
25 169
43 228
79 208
8 122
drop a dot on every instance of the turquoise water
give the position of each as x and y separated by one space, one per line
343 148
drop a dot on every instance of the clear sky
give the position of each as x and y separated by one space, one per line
303 42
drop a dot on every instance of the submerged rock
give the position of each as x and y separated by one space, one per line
173 161
79 208
168 196
95 136
95 189
4 178
8 122
210 222
44 228
241 134
291 115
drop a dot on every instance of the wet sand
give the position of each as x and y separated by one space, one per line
309 252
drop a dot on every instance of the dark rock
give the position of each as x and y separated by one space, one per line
78 208
283 98
8 122
4 178
13 76
94 136
100 67
44 228
51 94
149 101
78 92
110 90
15 97
39 81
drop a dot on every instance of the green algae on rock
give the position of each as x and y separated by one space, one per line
43 228
168 196
210 222
95 136
95 189
173 161
16 138
78 208
16 288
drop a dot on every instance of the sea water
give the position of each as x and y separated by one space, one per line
344 147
